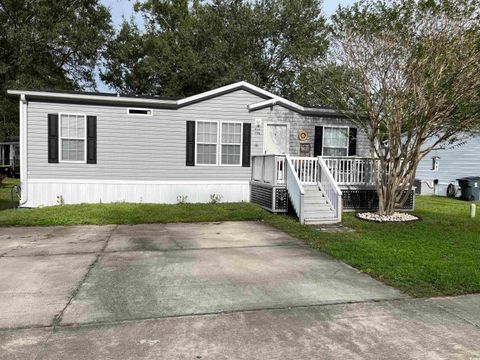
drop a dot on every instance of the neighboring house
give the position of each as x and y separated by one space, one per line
10 156
92 147
444 166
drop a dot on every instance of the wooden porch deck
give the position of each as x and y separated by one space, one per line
319 189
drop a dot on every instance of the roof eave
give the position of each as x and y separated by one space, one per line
93 98
295 107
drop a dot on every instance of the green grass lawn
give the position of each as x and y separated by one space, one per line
439 255
6 194
127 213
436 256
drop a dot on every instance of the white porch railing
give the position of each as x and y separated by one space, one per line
330 189
269 169
350 170
295 190
325 172
305 168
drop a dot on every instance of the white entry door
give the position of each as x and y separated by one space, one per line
276 139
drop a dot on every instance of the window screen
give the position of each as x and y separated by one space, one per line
231 143
72 137
335 141
207 138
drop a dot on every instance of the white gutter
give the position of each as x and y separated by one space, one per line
275 101
103 98
23 150
261 104
291 105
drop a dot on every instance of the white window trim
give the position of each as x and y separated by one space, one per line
221 143
206 143
265 125
218 157
84 161
336 147
143 109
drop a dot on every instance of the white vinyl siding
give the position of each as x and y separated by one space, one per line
335 141
231 143
72 137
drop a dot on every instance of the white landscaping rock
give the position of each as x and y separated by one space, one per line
396 217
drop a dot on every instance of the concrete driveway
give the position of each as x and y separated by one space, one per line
213 290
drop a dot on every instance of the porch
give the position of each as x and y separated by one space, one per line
318 188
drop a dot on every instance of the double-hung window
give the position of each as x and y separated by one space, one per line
231 143
218 143
72 137
335 141
207 142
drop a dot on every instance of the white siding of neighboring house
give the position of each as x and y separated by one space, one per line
456 161
142 158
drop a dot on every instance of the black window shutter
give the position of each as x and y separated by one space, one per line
247 140
91 139
190 161
53 138
318 145
352 142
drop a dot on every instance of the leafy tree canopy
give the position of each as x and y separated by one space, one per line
405 71
48 44
189 47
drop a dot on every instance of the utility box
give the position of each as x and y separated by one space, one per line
470 187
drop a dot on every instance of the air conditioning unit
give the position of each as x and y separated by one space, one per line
424 187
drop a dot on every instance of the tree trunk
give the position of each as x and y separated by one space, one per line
388 183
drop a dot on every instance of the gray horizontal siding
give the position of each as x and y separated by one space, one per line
455 162
153 147
137 147
300 122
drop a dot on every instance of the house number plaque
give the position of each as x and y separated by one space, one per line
305 150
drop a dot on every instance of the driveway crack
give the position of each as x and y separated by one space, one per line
58 317
448 311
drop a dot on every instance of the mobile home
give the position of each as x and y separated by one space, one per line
235 143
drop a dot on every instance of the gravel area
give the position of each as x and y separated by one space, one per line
395 217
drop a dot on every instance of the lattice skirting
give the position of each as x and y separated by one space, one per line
367 199
272 198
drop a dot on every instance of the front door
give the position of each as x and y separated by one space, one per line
276 139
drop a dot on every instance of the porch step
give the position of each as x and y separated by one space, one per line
319 214
315 200
316 208
314 221
310 188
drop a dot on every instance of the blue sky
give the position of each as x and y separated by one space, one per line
124 8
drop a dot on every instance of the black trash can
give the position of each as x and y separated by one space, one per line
470 186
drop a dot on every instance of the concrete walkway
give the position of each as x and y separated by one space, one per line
239 290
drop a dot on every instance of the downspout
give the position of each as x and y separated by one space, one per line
23 151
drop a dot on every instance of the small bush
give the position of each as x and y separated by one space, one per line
215 198
182 199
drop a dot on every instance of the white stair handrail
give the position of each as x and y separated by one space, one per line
295 189
330 188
